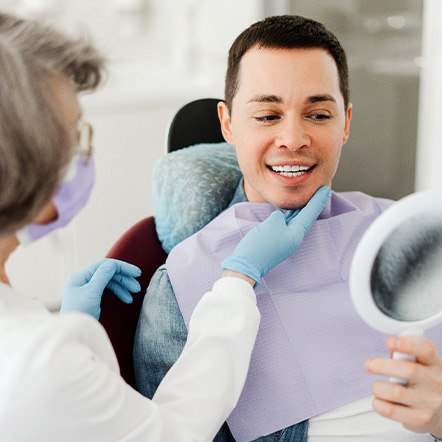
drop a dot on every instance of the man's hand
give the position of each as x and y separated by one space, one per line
275 239
84 289
418 404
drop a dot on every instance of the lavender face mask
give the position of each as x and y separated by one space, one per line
70 198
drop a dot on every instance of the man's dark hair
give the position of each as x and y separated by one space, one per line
285 32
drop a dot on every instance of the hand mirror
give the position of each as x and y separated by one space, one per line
396 271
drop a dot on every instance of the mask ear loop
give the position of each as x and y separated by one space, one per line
71 170
85 141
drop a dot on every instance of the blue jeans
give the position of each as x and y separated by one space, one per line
159 340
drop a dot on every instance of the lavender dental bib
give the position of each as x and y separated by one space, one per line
311 347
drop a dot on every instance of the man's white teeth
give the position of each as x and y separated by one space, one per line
290 171
289 168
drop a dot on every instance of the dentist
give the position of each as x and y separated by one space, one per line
59 377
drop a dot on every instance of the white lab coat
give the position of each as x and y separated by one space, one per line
59 377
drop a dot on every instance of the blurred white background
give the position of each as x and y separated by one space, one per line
164 53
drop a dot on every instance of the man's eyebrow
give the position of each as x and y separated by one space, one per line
320 98
266 99
276 99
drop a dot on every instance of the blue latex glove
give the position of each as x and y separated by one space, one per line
84 289
276 238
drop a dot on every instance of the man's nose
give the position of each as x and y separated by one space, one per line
293 134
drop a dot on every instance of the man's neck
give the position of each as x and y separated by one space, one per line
239 195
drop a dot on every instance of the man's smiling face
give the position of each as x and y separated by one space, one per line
288 124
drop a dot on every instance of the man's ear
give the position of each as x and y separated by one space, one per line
348 116
226 123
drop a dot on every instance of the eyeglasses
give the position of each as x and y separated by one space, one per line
85 134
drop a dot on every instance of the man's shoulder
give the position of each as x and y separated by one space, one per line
160 303
160 286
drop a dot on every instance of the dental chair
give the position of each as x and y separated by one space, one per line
194 123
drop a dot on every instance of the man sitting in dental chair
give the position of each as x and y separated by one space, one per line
287 114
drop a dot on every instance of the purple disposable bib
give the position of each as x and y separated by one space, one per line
311 346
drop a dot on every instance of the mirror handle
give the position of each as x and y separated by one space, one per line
398 355
404 356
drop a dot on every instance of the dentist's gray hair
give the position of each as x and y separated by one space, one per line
35 145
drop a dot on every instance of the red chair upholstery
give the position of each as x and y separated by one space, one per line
140 246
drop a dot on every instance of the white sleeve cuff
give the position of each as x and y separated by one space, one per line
232 284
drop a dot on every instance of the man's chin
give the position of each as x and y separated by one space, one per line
292 202
283 199
296 199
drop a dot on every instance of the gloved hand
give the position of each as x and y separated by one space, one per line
84 289
275 239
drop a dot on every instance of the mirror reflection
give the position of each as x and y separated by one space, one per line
406 278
